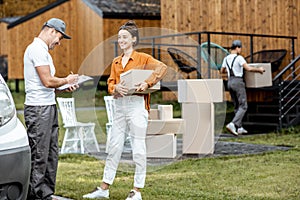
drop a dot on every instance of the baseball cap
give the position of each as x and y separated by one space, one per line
236 43
59 25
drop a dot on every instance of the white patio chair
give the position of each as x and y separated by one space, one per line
79 137
110 104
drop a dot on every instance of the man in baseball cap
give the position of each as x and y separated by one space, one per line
40 110
234 65
59 25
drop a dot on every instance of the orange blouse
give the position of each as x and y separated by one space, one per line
137 60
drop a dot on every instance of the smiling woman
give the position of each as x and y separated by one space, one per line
131 111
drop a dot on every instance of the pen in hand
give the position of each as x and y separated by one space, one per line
75 77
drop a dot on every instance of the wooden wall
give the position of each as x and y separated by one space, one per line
83 26
4 39
11 8
274 17
97 62
87 29
88 52
91 33
21 35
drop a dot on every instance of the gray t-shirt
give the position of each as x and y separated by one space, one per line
36 54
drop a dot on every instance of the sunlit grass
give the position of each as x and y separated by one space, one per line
272 175
286 137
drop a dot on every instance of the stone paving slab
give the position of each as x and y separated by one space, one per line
60 198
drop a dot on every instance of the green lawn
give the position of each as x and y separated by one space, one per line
273 175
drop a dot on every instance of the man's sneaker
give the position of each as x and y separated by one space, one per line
231 128
242 131
98 193
134 195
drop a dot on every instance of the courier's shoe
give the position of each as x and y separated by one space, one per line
134 195
241 130
231 128
98 193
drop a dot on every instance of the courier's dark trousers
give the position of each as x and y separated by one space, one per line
42 130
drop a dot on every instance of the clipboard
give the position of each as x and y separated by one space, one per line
81 79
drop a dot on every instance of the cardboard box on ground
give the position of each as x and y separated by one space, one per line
200 90
197 97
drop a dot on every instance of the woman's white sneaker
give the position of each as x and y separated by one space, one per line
98 193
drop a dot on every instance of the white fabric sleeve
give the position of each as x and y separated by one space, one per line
39 57
241 60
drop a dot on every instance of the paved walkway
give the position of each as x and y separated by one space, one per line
60 198
222 148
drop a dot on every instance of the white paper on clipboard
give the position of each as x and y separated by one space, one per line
81 79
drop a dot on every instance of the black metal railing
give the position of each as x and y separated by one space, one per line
289 89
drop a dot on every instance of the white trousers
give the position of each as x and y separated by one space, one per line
130 116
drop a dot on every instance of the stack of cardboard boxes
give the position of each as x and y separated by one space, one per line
198 97
162 132
161 139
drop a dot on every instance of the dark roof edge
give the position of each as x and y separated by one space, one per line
94 8
36 13
107 15
9 20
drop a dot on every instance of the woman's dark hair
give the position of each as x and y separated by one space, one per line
131 27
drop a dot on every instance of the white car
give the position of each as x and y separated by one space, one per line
15 157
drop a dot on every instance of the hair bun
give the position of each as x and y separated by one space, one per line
130 23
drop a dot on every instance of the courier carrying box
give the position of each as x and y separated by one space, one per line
135 76
256 80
